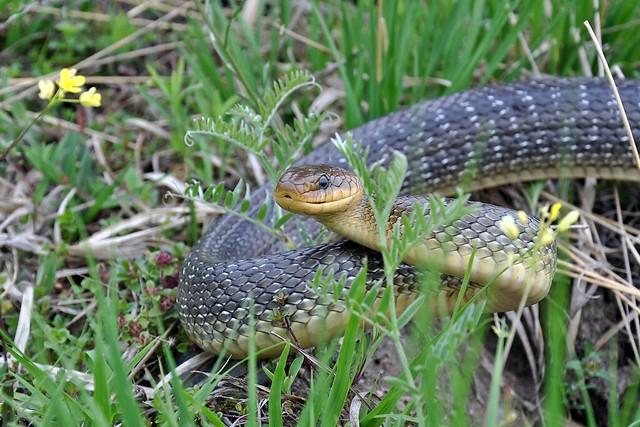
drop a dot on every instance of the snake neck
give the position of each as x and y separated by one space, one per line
358 224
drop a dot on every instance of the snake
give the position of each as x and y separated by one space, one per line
241 289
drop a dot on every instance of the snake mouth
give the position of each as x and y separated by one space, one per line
313 206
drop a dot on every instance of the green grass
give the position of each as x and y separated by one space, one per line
104 344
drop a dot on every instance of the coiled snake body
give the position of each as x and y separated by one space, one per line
483 137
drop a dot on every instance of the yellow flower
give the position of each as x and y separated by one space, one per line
568 220
508 225
500 330
69 81
47 89
546 236
555 211
91 98
522 216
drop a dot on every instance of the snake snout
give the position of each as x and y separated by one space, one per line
286 194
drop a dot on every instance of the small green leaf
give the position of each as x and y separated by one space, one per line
283 219
217 192
262 213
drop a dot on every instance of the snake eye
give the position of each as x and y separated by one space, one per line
323 182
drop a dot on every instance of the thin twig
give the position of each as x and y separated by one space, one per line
623 114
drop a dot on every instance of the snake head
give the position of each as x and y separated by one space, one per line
318 190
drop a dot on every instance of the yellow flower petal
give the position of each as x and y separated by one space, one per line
546 236
91 98
47 89
544 212
568 220
522 216
508 225
69 81
555 211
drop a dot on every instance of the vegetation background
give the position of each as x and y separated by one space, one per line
93 224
